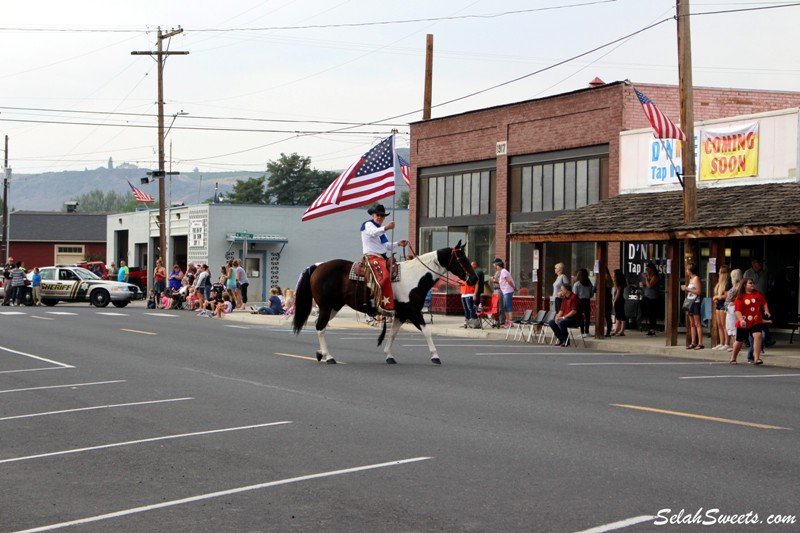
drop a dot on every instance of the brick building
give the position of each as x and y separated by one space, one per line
481 174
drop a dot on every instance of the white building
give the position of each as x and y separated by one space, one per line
271 241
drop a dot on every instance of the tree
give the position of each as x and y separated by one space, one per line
292 181
402 200
248 192
97 201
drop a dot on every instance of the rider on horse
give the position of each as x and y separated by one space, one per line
376 246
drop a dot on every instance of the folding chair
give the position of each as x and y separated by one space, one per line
535 322
520 323
572 340
486 315
543 327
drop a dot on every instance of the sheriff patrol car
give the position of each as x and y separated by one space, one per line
63 283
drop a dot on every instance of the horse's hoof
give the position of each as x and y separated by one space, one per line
390 361
331 361
319 356
436 361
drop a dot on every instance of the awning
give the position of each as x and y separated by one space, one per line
747 210
257 238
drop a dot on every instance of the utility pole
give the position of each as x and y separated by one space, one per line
687 111
6 176
426 99
160 55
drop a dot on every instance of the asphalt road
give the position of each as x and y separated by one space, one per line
136 420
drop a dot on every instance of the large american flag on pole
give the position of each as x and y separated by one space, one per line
367 180
664 127
140 196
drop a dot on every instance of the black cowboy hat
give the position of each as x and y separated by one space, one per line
377 210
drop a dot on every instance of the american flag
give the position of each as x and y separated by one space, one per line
140 195
367 180
664 127
405 169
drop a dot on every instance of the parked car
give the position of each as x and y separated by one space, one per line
65 283
136 275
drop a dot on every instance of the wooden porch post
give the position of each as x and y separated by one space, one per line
674 295
539 284
601 252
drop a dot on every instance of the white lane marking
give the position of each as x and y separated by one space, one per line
64 313
237 327
620 524
228 492
743 377
32 415
35 369
471 345
162 314
65 386
558 351
634 364
109 313
36 357
8 313
140 441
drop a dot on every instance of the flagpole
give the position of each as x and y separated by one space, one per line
396 168
671 162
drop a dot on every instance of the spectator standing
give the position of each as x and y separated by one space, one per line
749 303
18 284
124 271
583 290
757 273
561 279
651 296
618 300
507 287
693 289
495 282
7 268
159 280
608 305
721 290
36 287
244 283
730 308
202 283
468 302
112 271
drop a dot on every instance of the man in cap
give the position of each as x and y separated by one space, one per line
376 246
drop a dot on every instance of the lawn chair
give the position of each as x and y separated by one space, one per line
486 314
520 323
536 322
543 328
426 307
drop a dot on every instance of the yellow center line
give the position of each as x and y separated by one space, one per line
42 317
303 357
701 417
137 331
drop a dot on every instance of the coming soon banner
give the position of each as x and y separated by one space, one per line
730 152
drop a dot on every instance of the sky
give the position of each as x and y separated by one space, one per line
328 79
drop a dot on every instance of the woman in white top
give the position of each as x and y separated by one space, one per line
561 279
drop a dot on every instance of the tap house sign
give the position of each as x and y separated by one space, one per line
636 255
729 152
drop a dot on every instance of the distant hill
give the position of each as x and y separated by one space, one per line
49 191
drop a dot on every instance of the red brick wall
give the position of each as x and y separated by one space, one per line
582 118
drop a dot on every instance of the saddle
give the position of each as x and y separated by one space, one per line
361 272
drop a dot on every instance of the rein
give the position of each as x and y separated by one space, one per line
446 275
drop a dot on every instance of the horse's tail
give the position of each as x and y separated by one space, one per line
383 334
302 300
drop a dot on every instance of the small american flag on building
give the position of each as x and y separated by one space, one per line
405 169
367 180
664 127
140 196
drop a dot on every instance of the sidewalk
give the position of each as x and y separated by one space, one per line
782 354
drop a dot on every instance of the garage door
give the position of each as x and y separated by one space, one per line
69 255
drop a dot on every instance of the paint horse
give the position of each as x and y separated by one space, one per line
329 284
